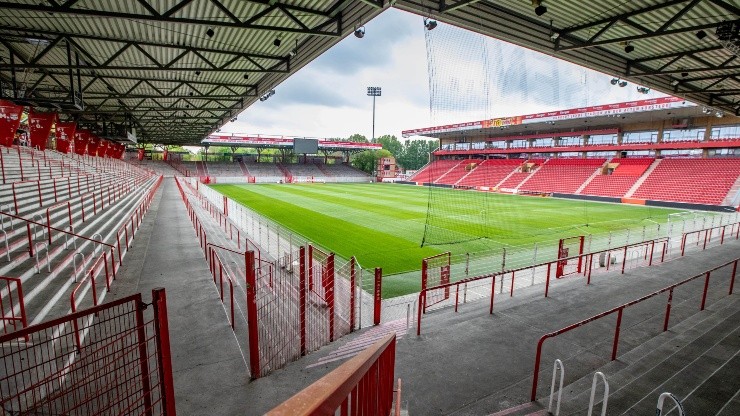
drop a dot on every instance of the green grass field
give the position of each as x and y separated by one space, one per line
382 224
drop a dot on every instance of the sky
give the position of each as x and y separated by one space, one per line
327 98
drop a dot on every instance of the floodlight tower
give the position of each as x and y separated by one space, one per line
373 92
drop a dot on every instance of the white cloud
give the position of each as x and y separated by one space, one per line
327 98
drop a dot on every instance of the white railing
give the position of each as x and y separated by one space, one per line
555 366
593 393
661 399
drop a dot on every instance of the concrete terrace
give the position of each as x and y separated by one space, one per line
468 362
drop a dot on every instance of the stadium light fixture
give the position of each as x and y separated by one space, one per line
360 32
277 41
629 48
622 84
197 73
614 81
675 82
701 34
684 74
246 76
374 92
643 90
539 9
210 32
719 114
430 24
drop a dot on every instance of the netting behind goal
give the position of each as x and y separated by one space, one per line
473 78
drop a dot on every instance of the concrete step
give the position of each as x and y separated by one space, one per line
639 371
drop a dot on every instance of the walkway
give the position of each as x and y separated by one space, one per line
210 374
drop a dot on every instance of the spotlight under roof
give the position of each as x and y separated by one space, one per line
210 32
540 10
360 32
629 48
430 24
614 81
701 34
277 41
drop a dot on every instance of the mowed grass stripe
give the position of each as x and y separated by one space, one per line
371 247
410 230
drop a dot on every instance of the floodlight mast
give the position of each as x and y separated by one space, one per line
373 92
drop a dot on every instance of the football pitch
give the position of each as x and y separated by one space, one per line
382 225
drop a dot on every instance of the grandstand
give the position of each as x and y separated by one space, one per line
604 162
237 297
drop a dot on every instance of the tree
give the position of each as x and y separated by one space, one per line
357 138
416 153
367 160
391 144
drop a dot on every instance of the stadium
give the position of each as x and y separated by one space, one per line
280 276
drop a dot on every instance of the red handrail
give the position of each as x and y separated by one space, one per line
708 234
421 304
48 216
365 381
11 314
619 310
15 197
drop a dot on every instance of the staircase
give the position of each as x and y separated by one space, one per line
245 171
733 197
642 179
585 183
286 173
438 180
323 170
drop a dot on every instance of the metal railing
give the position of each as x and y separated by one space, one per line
361 386
619 310
605 399
587 271
12 319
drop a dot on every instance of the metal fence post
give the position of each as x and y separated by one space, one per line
254 351
162 331
377 295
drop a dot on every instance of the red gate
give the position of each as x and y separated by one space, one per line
435 271
568 248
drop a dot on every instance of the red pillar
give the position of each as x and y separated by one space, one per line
254 352
377 298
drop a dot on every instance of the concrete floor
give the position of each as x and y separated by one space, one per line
465 363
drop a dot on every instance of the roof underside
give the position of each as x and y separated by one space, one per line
151 64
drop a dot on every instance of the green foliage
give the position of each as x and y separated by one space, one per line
367 160
416 153
356 138
391 144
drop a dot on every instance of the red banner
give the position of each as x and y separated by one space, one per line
141 154
10 119
40 126
165 154
92 145
65 132
80 142
103 147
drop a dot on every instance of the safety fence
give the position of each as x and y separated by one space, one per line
633 255
361 386
302 300
619 311
87 268
708 237
110 359
13 318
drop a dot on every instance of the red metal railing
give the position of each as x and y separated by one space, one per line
720 230
587 271
619 310
122 364
361 386
216 266
12 320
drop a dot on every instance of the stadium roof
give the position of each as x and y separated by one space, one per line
179 69
597 119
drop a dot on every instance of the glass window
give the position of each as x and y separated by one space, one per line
725 132
542 143
571 141
683 135
640 137
518 144
603 139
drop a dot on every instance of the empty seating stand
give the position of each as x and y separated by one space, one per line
458 172
64 234
433 171
621 179
490 172
562 175
702 181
